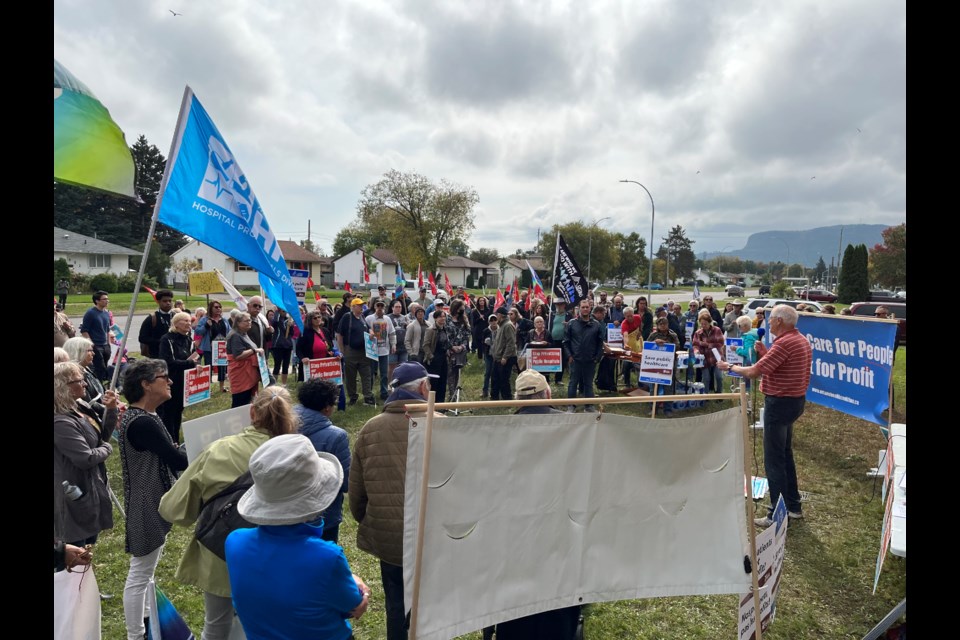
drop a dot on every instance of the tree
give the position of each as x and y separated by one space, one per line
631 261
184 267
150 165
356 235
157 262
600 253
422 219
854 280
458 248
680 251
820 271
795 270
888 261
484 255
309 246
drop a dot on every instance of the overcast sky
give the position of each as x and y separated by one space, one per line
737 116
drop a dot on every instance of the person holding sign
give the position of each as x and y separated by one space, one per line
662 334
176 349
212 328
313 343
350 334
243 368
630 328
707 339
785 368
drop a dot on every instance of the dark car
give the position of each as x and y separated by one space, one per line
898 309
764 290
734 291
819 295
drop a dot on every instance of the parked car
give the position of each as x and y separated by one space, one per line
631 286
656 286
902 294
821 295
769 303
734 291
898 309
764 290
883 295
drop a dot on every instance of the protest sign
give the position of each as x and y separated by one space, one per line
370 347
770 549
656 363
264 369
545 360
204 282
196 385
731 355
298 278
219 352
323 368
614 335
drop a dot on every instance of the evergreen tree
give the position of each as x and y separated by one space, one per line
854 284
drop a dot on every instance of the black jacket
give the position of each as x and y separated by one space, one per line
584 340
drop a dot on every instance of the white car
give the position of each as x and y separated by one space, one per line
753 304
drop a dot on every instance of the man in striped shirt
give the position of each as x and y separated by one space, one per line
785 368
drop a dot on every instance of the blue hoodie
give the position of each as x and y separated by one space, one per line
327 437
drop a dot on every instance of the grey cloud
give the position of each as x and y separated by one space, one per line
472 146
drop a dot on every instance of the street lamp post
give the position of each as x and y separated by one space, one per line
590 248
652 214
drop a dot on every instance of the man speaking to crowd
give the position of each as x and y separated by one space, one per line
785 368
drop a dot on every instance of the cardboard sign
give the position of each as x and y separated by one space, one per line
264 369
196 385
656 363
204 282
323 368
219 352
545 360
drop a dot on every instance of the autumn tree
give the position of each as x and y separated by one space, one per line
888 260
422 219
484 255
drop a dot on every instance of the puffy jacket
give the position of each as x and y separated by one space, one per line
332 439
379 467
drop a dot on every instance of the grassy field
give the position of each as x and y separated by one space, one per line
828 570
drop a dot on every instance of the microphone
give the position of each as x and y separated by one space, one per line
761 332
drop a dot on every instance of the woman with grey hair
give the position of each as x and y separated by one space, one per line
150 460
177 350
243 367
59 355
80 447
81 351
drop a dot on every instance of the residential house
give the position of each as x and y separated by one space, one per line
91 256
516 269
242 275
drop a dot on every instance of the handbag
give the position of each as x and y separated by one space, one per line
76 605
219 516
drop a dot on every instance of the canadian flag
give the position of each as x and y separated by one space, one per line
501 301
446 285
433 285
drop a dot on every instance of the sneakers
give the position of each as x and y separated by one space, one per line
571 409
763 522
794 515
368 401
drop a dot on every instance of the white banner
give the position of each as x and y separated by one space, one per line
565 511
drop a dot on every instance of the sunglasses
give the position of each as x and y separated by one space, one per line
255 306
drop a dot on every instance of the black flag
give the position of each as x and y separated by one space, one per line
571 285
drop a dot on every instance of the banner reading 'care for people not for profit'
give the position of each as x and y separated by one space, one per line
852 363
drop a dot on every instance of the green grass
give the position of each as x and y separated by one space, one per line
828 568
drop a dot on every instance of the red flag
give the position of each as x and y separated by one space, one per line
466 300
346 286
446 285
419 276
516 291
501 301
433 285
366 276
316 296
529 298
150 291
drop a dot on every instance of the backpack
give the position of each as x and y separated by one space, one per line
219 516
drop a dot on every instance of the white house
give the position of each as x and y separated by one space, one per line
241 275
463 272
515 269
91 256
382 270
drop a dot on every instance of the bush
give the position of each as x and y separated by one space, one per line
781 290
80 282
470 281
105 282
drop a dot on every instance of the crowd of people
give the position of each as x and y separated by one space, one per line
286 576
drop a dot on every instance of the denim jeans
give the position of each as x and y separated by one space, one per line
383 368
397 622
779 414
712 379
135 607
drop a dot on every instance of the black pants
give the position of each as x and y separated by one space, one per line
242 398
63 301
438 366
171 414
281 360
101 356
500 385
397 622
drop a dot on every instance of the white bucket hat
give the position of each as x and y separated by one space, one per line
292 482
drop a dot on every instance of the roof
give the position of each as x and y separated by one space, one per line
295 253
459 262
70 242
385 256
521 263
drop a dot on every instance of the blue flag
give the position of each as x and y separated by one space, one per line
206 195
400 281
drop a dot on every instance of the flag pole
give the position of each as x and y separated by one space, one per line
553 291
171 160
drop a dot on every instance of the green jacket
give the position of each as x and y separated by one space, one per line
212 471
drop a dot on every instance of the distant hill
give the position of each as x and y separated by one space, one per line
806 246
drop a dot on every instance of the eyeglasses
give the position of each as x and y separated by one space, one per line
162 375
80 381
255 306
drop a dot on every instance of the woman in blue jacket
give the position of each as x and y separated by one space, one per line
318 400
